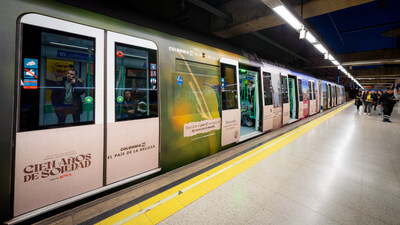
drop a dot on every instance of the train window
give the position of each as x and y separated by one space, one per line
285 90
229 92
300 87
196 89
57 79
267 88
135 82
311 88
306 90
324 95
191 67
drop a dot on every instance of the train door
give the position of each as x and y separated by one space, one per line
59 121
306 97
301 98
293 98
329 96
320 97
325 97
342 95
285 100
317 99
333 95
230 101
132 108
268 120
249 103
337 96
312 97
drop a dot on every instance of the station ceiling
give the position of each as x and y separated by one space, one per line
363 35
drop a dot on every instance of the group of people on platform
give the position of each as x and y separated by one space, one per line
384 100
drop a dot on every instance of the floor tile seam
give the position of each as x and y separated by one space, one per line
385 180
376 201
290 172
269 187
276 213
269 211
394 171
359 209
308 167
309 208
319 182
338 203
360 213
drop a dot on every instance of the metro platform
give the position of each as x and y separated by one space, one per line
337 167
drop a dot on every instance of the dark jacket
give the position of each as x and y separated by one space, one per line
378 99
126 106
375 97
388 100
58 93
364 96
358 101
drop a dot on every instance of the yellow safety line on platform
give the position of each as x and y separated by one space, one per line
163 205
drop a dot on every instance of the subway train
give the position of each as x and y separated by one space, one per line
91 103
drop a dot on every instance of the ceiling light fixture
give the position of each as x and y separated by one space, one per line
310 38
288 17
297 24
321 48
302 33
335 62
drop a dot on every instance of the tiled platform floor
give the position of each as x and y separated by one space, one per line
344 171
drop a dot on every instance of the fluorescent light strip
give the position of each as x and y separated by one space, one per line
310 38
366 62
288 17
67 45
283 12
320 48
335 62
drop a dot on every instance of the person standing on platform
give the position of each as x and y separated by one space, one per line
388 101
363 98
368 102
358 100
375 97
379 103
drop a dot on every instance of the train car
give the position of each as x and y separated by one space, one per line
304 95
91 102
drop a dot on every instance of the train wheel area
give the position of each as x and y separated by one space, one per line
135 200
